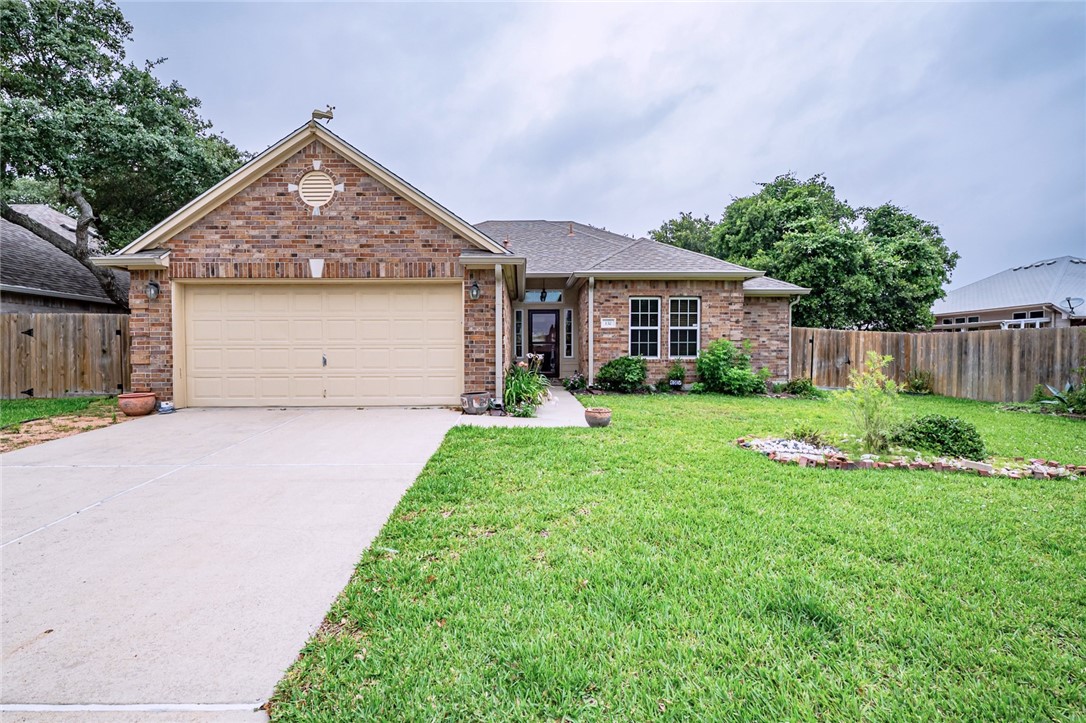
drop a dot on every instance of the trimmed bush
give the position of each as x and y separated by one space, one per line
919 381
724 369
801 387
948 436
625 374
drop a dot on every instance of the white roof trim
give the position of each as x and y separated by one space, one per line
132 261
240 179
800 291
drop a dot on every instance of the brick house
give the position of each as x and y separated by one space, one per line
315 276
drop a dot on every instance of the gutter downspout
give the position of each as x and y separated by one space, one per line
499 337
791 303
591 329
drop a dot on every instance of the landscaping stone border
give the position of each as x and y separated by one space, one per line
787 451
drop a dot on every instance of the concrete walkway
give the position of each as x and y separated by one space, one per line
178 563
562 411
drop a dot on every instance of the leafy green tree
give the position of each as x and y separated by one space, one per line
912 262
119 146
687 232
872 268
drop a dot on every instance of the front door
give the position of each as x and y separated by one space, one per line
543 335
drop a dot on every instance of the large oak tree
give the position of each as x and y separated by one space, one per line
89 131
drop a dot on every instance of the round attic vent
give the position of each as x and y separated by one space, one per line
316 188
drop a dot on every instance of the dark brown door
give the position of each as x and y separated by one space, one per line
543 339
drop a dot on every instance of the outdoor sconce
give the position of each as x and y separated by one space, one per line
152 290
473 292
543 295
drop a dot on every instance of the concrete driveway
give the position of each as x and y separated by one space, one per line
178 563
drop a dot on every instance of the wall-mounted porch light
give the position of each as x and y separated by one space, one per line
473 292
543 295
153 290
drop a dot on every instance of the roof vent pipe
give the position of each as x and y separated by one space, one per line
570 228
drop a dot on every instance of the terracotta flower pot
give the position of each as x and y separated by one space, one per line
597 416
136 404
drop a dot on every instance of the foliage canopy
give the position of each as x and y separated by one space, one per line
868 268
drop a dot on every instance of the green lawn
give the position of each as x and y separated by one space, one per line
13 411
654 571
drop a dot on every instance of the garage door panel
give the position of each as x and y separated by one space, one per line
386 344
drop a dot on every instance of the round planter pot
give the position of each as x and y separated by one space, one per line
475 402
136 404
597 416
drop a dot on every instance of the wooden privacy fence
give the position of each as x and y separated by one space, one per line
995 366
63 355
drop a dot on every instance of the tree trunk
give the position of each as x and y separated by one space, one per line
80 250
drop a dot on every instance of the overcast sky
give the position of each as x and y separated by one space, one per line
972 116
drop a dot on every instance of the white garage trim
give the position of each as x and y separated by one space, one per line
318 343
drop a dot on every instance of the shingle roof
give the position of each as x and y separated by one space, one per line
1049 281
55 220
29 261
566 247
767 285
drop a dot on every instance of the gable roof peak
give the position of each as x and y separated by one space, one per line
278 152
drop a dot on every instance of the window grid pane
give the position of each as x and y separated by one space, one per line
683 327
518 333
569 334
645 327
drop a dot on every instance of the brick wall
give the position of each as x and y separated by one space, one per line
150 330
479 341
265 232
765 325
721 316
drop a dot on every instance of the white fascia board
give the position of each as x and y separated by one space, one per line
116 261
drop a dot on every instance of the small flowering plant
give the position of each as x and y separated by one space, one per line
525 387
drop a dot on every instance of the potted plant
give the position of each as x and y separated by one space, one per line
597 416
136 404
676 376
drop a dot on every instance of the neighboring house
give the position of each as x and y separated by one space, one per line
36 276
1031 296
315 276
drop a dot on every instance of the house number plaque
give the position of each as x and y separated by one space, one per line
608 323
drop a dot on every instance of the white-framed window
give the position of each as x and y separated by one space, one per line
1018 315
1037 314
567 350
645 326
684 324
518 333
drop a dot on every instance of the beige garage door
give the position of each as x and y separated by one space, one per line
327 345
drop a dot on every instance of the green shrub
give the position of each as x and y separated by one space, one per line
724 369
919 381
872 401
949 436
677 372
624 374
801 387
663 384
1040 393
809 435
698 388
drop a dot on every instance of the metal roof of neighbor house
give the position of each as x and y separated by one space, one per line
29 263
563 248
1049 281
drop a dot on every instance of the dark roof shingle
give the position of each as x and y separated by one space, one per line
29 261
